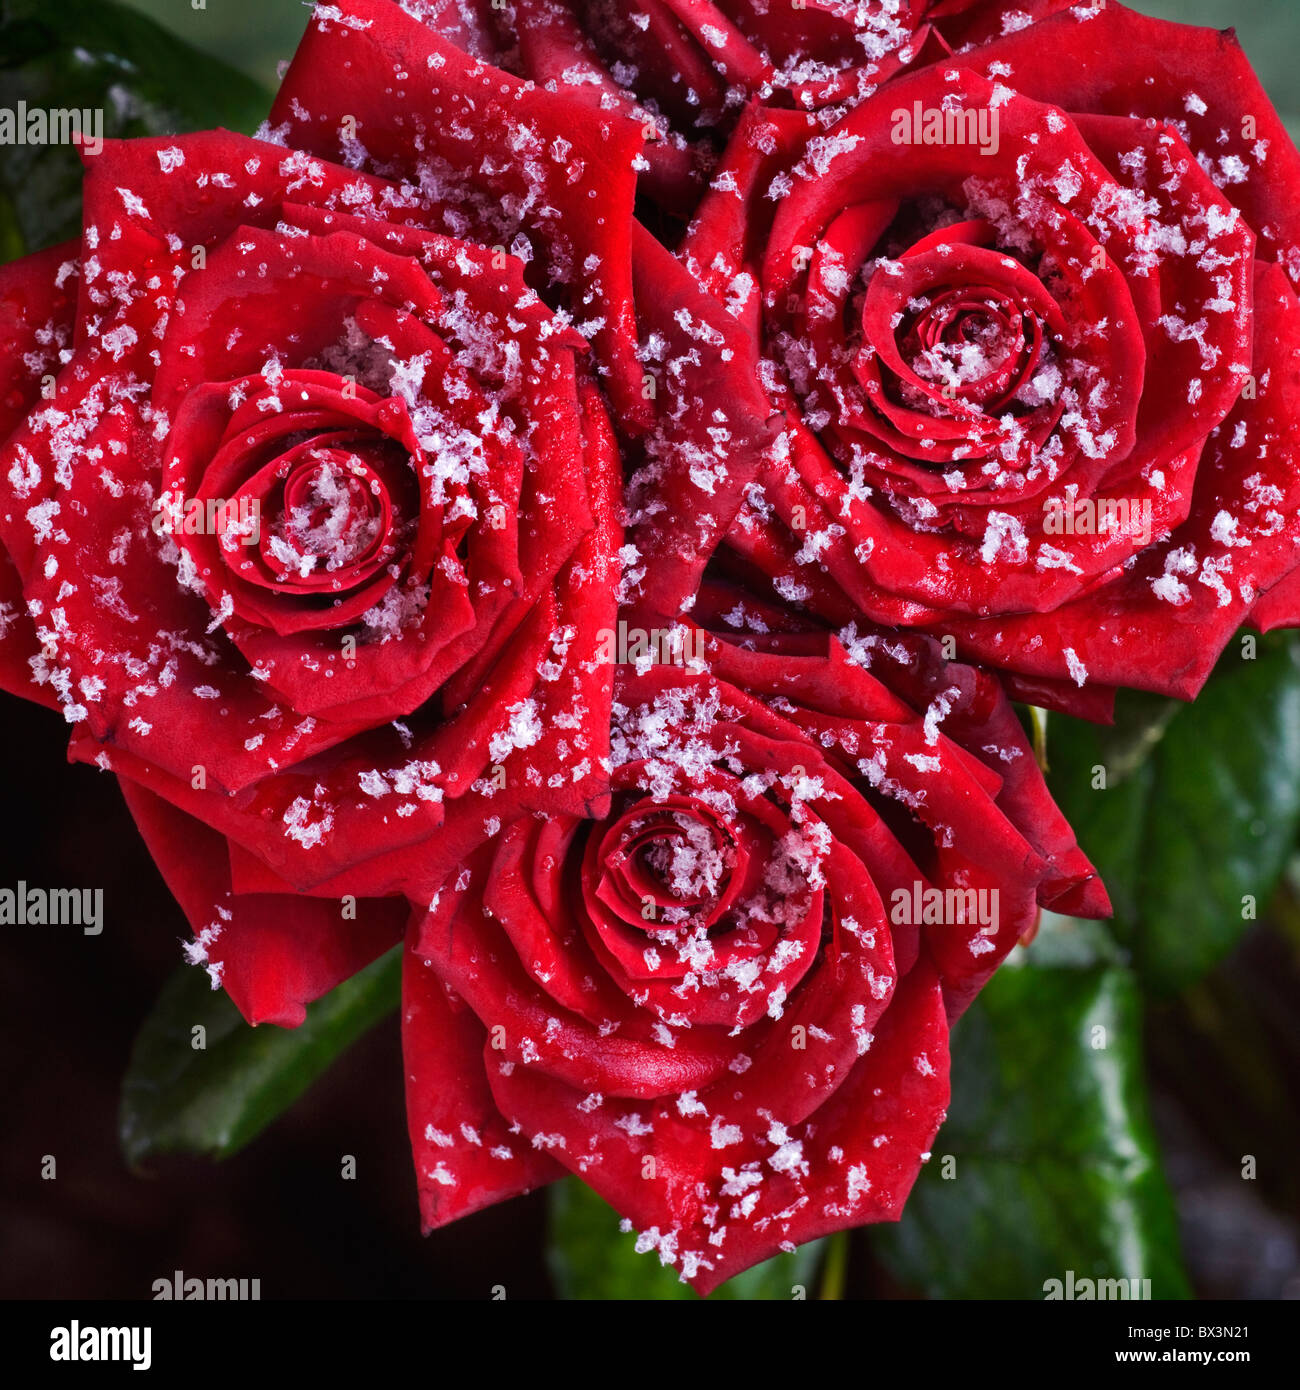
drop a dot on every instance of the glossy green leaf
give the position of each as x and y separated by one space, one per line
97 55
1199 808
180 1098
590 1258
1047 1162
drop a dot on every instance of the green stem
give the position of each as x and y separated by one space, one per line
835 1269
1039 719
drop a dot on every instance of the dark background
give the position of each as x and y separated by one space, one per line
70 1006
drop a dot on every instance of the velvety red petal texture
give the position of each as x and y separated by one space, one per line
369 83
684 69
1111 60
315 510
37 320
466 1157
712 436
711 1202
580 494
1025 314
273 954
725 1004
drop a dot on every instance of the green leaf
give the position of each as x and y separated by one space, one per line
177 1098
98 55
590 1258
1047 1162
1200 807
251 35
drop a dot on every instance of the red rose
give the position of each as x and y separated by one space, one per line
1038 363
725 1005
310 526
676 366
313 530
685 68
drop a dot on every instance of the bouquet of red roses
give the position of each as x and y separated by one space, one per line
578 498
